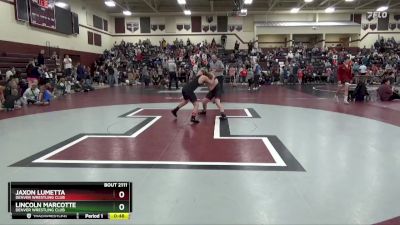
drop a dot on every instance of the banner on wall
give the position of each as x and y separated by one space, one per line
375 15
42 13
132 26
372 26
213 28
186 27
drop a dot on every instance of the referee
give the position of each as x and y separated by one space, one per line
172 69
217 68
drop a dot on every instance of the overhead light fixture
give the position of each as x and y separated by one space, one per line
110 3
294 10
308 1
248 2
127 12
382 8
61 4
187 12
330 10
349 1
243 11
182 2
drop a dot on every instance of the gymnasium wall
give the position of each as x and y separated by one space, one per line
273 40
334 39
369 35
239 29
14 31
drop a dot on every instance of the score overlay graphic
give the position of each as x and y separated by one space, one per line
70 200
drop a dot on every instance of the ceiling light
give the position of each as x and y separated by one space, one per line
182 2
127 12
110 3
248 2
330 10
295 10
243 11
187 12
382 8
61 4
349 1
308 0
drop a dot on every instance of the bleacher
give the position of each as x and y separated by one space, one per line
19 61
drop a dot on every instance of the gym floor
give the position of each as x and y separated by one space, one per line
286 155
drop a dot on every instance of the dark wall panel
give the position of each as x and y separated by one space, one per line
383 23
75 23
222 24
120 25
145 25
105 25
98 22
21 10
97 39
63 20
90 38
356 18
196 23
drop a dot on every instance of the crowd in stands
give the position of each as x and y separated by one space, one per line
165 65
39 85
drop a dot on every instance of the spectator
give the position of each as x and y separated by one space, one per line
45 96
300 75
232 74
10 102
172 70
243 74
236 48
60 87
290 56
182 74
34 76
363 70
80 72
145 76
2 88
10 73
223 40
67 66
387 92
250 47
110 75
217 67
257 74
40 58
250 77
344 79
31 95
156 78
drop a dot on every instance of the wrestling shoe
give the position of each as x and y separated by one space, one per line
194 120
174 112
223 116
